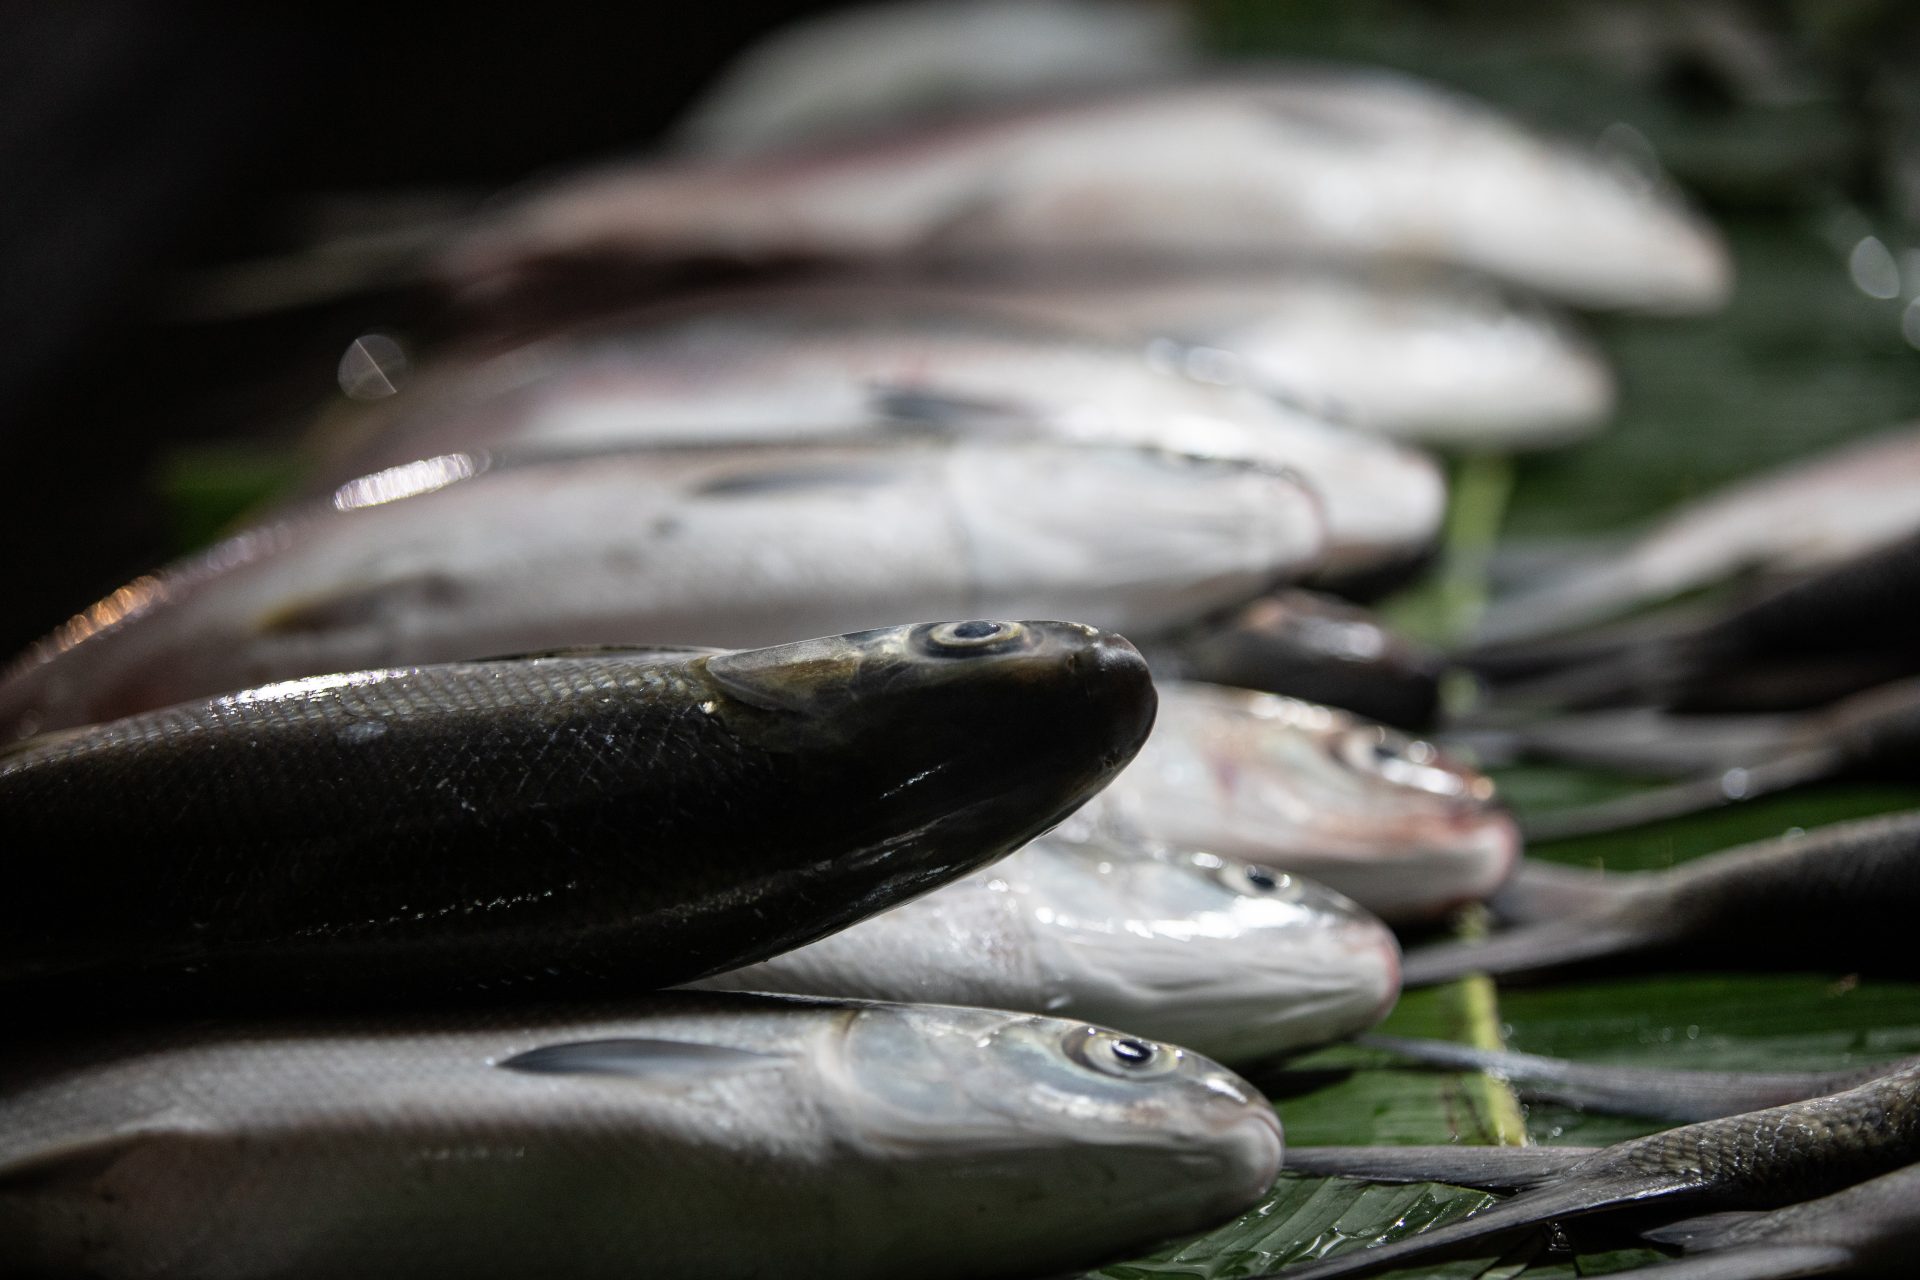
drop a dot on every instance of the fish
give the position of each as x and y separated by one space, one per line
1232 959
844 72
468 556
1868 1229
581 821
1811 514
1723 759
1816 637
674 1135
1268 165
1677 1095
1759 1159
857 361
1314 647
1842 894
1387 820
1434 358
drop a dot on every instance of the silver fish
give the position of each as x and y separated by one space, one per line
1267 166
832 362
840 72
687 1135
454 558
1434 358
1387 820
1232 959
1793 519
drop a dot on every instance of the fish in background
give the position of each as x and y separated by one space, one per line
830 362
1755 1160
678 1135
1839 895
599 821
1808 515
467 556
1386 820
844 71
1432 357
1232 959
1232 170
1314 647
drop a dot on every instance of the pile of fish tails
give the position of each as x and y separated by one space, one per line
594 823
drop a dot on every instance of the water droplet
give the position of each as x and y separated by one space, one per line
1874 271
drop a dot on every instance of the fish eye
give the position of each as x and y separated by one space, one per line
978 635
1125 1057
1407 762
1254 879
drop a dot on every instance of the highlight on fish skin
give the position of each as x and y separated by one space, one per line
575 822
674 1135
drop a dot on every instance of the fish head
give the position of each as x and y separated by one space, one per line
1231 957
960 739
1138 538
1079 1133
1385 818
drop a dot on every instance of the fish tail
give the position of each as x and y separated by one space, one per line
1528 949
1754 1262
1492 1168
1696 795
1538 891
1568 603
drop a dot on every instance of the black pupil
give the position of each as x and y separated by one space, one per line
1133 1052
974 630
1384 751
1261 878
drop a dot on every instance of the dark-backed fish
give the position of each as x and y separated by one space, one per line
462 557
1844 894
681 1135
1757 1160
576 822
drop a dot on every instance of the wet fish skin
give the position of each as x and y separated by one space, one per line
469 556
572 823
677 1135
1390 822
839 361
1813 513
1301 644
1678 1095
1872 1228
1760 1159
1844 892
1233 960
1410 162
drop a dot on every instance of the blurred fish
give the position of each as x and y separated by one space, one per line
1757 1160
1387 820
602 820
1841 895
1227 957
825 363
842 72
1431 357
1872 1228
1798 518
1264 167
1723 759
1313 647
1636 1091
464 556
683 1135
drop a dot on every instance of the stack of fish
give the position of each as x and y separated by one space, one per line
1149 357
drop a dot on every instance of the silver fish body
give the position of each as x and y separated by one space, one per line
1436 359
452 559
1809 515
687 1135
1296 161
1387 820
1229 958
821 363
